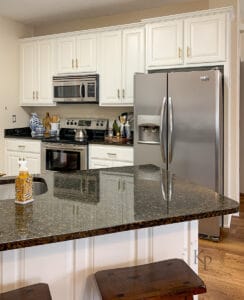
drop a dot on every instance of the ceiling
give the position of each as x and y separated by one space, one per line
37 12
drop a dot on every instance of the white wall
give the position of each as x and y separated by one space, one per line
10 32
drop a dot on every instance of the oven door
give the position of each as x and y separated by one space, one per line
63 157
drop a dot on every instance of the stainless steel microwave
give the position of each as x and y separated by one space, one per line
76 88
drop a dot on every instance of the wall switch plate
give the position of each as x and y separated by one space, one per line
13 118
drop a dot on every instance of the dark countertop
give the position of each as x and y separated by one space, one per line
113 143
25 133
95 202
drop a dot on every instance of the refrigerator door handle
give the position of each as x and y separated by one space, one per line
163 127
170 129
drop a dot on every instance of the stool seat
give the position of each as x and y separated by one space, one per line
39 291
169 279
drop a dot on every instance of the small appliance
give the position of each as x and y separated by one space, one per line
76 88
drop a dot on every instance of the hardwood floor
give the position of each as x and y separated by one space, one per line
221 265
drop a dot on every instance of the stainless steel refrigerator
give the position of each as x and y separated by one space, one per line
179 126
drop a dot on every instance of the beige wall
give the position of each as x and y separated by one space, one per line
10 32
241 115
124 18
81 111
242 46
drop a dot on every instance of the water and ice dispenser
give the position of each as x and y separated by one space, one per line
148 129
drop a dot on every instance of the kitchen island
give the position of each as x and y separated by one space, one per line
91 220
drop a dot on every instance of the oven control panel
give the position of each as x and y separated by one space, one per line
101 124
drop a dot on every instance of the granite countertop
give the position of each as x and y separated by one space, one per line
25 133
95 202
113 143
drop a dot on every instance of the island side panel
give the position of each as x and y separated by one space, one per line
68 267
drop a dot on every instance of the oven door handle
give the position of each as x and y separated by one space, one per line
62 147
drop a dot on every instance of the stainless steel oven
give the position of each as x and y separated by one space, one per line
76 88
63 157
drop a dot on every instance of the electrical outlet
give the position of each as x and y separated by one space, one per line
13 118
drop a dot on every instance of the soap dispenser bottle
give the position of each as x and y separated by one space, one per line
23 184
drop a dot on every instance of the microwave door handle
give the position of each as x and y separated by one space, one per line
162 136
83 91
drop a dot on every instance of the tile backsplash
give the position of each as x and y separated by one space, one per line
80 111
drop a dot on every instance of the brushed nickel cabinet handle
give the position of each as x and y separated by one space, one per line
188 51
179 52
77 64
119 185
34 95
37 95
118 94
123 93
73 63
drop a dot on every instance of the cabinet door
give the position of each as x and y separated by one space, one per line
127 187
132 61
99 163
66 61
164 43
44 71
110 188
109 67
28 72
34 162
86 46
205 39
117 163
12 166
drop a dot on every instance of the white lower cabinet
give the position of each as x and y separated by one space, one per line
121 186
69 267
20 148
106 156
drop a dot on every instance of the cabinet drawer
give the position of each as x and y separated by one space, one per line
22 145
120 153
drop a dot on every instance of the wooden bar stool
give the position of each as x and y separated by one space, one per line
39 291
164 280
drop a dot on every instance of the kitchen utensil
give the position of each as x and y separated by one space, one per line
80 134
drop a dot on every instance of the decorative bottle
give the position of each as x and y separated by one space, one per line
23 184
47 122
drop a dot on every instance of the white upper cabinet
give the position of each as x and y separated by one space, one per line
189 40
109 67
121 54
165 43
205 39
133 61
36 71
77 53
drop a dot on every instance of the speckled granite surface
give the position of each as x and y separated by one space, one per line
95 202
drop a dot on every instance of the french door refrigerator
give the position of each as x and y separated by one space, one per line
179 126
